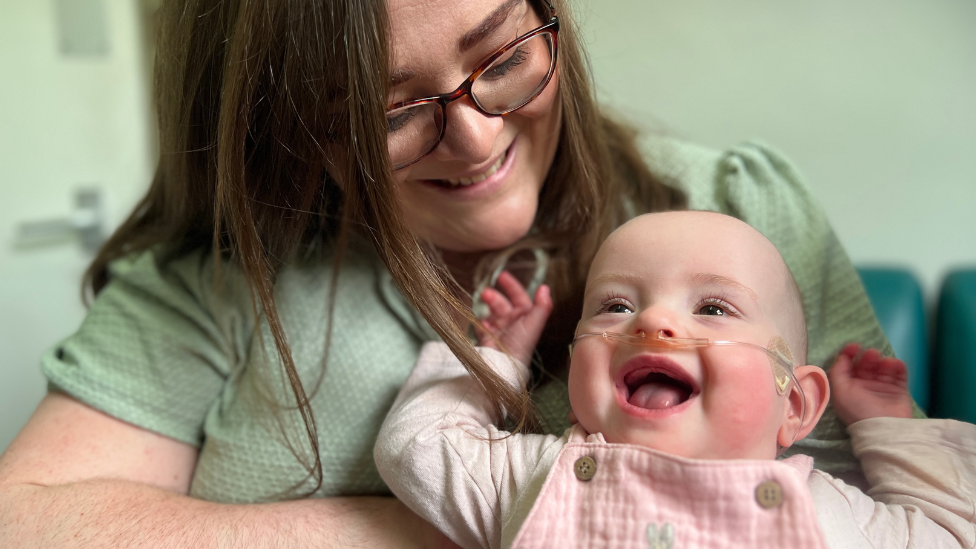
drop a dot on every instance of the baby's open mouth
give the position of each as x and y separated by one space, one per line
655 390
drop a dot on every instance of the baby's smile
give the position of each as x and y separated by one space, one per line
654 383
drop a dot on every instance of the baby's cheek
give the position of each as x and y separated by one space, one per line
745 417
744 422
585 386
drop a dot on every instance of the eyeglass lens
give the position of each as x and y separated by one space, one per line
511 81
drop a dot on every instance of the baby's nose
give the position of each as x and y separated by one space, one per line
662 332
656 321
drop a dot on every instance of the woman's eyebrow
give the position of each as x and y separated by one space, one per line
399 76
470 39
487 26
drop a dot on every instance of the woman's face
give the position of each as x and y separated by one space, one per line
479 189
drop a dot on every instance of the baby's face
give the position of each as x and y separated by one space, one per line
683 275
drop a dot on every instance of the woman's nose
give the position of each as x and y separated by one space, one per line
469 135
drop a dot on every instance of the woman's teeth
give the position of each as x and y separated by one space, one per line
467 181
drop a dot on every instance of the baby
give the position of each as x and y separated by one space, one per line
687 380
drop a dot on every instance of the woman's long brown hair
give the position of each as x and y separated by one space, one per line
273 140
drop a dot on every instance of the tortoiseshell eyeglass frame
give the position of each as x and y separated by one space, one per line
551 28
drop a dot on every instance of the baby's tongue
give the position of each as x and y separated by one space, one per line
655 395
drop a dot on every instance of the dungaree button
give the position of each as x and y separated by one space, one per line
584 468
769 494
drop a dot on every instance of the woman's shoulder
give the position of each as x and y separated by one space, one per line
194 283
744 180
753 182
198 276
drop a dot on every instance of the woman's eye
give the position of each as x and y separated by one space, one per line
501 69
395 122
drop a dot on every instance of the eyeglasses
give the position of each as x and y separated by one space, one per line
507 81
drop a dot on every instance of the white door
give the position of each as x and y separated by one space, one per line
74 113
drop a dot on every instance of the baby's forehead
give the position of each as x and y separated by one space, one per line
704 249
692 225
705 237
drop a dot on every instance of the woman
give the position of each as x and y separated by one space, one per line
247 335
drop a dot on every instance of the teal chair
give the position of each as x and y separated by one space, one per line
954 364
896 297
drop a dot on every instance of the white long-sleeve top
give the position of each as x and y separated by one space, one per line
440 453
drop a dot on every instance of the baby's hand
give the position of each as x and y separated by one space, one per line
869 385
514 322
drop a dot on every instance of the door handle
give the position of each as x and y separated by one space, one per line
87 221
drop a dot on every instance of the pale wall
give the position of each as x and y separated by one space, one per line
65 121
874 100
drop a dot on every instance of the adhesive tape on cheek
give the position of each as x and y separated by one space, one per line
778 348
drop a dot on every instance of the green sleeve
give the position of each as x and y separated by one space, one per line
156 347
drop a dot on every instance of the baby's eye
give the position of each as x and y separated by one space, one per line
618 308
711 310
714 306
615 305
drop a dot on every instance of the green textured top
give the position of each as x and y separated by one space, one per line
163 350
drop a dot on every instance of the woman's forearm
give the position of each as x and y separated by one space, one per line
113 514
76 477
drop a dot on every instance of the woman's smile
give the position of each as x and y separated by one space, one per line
479 183
478 176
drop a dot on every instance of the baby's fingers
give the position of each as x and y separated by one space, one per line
499 308
851 350
535 320
872 366
516 293
543 302
891 370
867 365
841 370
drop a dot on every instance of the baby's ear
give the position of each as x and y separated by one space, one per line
816 394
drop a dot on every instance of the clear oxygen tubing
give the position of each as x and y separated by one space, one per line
541 259
778 352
